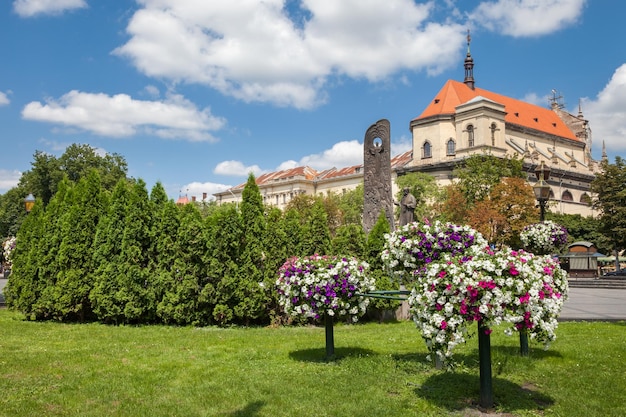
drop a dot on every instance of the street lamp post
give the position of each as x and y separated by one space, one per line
29 202
542 194
542 189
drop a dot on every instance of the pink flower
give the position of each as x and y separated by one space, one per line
513 271
444 324
488 331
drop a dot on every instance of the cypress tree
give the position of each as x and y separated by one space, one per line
83 208
250 295
181 302
163 249
104 296
222 257
48 253
316 235
374 247
24 288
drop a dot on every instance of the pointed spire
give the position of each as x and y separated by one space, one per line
580 109
469 64
604 155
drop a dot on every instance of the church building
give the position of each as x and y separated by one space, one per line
463 119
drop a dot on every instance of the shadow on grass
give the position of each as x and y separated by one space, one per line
250 410
457 391
319 355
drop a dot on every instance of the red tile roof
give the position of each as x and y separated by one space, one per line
455 93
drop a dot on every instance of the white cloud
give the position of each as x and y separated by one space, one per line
30 8
120 116
8 179
236 168
520 18
255 51
4 99
197 190
607 113
342 154
537 100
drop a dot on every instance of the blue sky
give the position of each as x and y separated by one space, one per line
196 94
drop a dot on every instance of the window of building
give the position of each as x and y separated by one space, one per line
450 147
470 136
567 196
585 199
426 150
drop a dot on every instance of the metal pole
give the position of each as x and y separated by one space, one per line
330 338
523 342
484 354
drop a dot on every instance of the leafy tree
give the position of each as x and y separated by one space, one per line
609 187
583 228
453 207
351 206
508 209
479 173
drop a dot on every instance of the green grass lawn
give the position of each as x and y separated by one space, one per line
52 369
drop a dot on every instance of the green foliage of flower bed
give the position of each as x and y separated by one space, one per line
56 369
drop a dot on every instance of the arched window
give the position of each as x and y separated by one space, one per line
426 150
470 136
450 147
585 199
567 196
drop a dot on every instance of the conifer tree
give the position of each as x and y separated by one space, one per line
277 252
316 236
133 293
250 295
163 249
222 257
181 303
349 240
374 247
24 288
47 258
78 228
104 296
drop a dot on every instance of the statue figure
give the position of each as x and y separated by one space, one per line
407 207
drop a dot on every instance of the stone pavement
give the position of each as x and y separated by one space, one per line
606 304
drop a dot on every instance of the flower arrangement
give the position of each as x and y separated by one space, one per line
409 250
8 246
517 287
544 237
317 286
457 280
